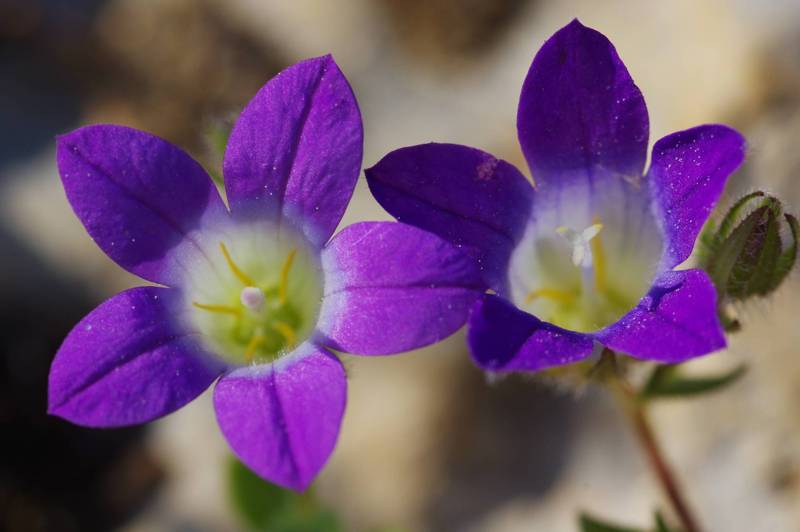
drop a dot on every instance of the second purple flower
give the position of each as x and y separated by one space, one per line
588 257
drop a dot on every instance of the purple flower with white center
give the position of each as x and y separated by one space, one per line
588 256
255 294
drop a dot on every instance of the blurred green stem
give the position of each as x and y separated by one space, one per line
635 410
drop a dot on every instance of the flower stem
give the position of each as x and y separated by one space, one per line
636 411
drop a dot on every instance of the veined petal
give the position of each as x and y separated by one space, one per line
296 149
503 338
580 114
141 199
675 321
391 287
687 175
464 195
128 362
282 420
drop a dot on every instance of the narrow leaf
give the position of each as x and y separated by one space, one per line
666 381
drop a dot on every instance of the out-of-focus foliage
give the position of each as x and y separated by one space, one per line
592 524
263 506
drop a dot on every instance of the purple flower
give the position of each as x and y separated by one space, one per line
586 257
255 294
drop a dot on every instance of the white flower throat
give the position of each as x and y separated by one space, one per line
571 276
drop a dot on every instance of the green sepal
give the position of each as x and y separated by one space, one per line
754 268
262 506
787 259
666 381
721 264
735 212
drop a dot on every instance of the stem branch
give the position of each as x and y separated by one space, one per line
636 411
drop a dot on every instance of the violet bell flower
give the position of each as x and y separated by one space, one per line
256 294
587 257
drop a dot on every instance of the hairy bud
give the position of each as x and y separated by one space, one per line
751 251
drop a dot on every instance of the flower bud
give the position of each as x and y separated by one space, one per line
752 250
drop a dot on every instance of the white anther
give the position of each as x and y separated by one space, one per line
252 298
581 251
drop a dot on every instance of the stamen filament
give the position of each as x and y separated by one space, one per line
598 259
252 345
286 331
221 309
550 293
284 282
243 277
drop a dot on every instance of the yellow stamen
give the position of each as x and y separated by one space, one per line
221 309
287 332
243 277
598 259
561 296
252 345
284 283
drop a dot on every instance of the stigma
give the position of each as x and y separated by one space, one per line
252 298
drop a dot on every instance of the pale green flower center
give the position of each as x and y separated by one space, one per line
256 296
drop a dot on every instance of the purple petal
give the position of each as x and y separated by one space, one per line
687 175
141 198
464 195
296 148
503 338
127 363
675 321
580 114
282 420
391 287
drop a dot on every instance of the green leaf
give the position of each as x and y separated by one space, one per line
263 506
666 381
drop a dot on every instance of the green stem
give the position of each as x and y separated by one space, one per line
636 412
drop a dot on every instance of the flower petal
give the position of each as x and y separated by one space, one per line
675 321
140 198
282 420
391 287
503 338
464 195
580 114
127 363
686 177
297 147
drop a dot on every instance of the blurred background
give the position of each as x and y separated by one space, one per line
427 443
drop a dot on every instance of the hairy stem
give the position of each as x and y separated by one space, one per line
636 412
